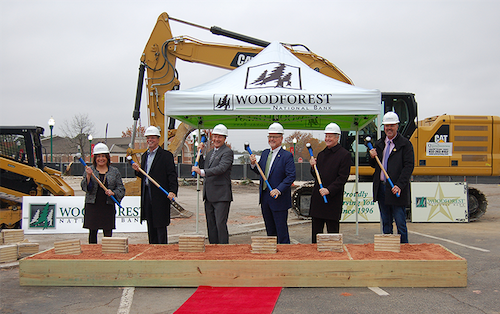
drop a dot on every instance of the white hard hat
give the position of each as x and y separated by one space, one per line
152 130
332 128
101 148
220 129
390 118
276 128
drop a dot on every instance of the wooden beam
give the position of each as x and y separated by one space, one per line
244 273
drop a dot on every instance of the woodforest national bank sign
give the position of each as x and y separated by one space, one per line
64 214
273 76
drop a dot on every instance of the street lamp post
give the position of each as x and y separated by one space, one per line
90 144
52 122
294 142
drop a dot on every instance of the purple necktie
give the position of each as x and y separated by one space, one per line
387 152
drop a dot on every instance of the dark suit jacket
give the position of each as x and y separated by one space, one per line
334 166
281 177
162 171
217 183
399 168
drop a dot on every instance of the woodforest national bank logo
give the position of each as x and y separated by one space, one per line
42 216
421 202
223 102
273 75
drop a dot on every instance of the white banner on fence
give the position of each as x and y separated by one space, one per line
64 214
367 208
439 202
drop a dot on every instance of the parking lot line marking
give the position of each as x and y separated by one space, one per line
450 241
378 291
126 300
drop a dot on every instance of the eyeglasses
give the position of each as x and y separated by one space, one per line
274 136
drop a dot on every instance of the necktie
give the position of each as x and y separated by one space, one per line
387 152
268 166
149 161
211 158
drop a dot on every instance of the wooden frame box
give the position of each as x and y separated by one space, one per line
138 271
387 242
191 243
112 245
68 247
11 236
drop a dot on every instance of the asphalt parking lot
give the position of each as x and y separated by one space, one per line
477 242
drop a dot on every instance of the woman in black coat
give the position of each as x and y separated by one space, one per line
99 207
334 166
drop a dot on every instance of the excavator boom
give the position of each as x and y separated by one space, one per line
162 50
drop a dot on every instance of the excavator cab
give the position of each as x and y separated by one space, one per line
403 104
23 173
20 145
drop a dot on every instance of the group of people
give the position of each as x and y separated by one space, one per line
276 168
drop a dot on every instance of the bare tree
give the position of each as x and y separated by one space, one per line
77 131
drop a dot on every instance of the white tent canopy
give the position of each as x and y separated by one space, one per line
274 86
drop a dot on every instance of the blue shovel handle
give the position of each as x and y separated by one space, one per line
203 140
162 189
370 146
320 184
267 182
112 197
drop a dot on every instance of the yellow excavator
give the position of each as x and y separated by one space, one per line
159 58
445 145
23 173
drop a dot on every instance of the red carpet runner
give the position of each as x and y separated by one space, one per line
226 300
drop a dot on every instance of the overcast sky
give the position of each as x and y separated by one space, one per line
59 58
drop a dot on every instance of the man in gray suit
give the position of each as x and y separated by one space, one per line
217 191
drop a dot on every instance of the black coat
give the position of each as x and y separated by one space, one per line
334 166
399 168
162 171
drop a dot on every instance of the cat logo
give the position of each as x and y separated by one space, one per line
241 58
440 138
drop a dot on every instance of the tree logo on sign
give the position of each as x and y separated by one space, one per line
222 102
273 75
42 216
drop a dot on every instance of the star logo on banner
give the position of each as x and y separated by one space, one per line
440 204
